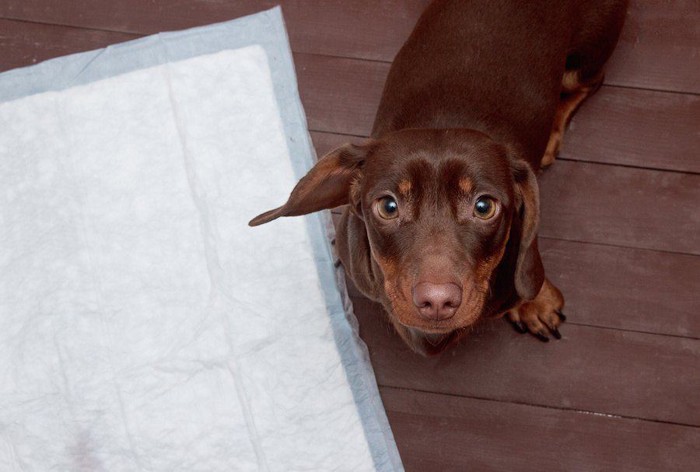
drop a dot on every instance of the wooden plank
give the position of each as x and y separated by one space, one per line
655 49
609 205
340 95
639 208
637 128
325 142
445 433
591 369
659 47
629 289
23 44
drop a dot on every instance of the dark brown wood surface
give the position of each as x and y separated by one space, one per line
620 236
468 434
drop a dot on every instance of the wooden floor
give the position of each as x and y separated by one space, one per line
620 235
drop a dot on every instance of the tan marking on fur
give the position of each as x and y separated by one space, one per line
405 187
390 273
575 92
570 81
466 184
553 145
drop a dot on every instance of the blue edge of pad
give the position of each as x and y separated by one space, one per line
267 30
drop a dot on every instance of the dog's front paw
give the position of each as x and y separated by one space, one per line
540 316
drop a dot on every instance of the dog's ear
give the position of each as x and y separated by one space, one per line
326 185
529 272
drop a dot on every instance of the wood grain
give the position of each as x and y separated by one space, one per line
591 369
340 95
23 44
444 433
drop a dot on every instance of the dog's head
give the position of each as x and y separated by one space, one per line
449 223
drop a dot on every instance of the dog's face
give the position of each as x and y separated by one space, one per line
438 213
446 222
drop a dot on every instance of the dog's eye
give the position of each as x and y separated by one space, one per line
485 208
387 208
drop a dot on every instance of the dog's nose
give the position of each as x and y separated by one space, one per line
437 301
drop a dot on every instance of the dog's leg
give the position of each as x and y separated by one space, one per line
590 48
574 92
542 315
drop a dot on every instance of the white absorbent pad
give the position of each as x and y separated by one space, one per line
143 324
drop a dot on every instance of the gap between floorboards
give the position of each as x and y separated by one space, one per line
536 405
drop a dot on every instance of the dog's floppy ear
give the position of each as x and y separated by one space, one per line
529 272
326 185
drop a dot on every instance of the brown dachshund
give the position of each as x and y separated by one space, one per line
442 202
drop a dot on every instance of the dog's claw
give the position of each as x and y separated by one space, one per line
561 315
556 333
519 327
542 336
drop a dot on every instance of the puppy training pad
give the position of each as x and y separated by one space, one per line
143 324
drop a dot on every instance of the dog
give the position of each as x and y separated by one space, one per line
442 202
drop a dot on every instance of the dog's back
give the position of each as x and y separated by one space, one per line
496 66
